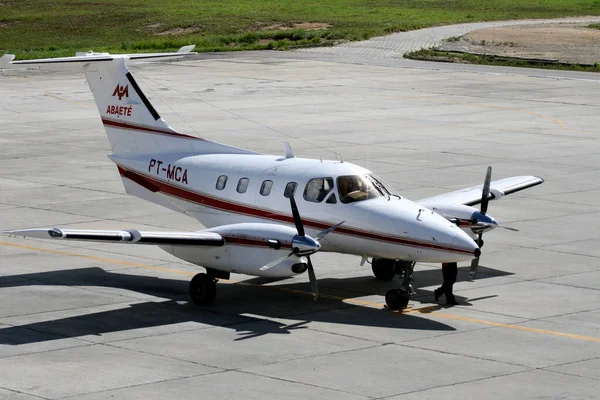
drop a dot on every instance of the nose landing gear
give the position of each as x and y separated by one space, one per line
397 299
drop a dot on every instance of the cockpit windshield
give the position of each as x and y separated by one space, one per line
354 188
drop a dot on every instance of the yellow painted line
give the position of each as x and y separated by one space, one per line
107 260
187 273
423 310
518 327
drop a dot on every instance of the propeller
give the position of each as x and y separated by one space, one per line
303 246
485 199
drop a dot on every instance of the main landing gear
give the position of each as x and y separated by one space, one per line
385 270
203 287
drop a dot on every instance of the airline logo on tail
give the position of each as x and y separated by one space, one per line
121 91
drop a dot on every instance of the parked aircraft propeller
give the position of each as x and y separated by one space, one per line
485 198
304 246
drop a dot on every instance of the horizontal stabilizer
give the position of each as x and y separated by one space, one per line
125 236
81 59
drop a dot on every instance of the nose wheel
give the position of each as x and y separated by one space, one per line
203 289
397 299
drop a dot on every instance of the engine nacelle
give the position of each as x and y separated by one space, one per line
248 247
456 211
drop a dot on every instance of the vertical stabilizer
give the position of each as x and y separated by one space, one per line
131 122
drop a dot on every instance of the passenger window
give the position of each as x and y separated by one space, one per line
242 185
265 188
221 182
290 189
317 189
331 199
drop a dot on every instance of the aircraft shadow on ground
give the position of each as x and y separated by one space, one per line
233 304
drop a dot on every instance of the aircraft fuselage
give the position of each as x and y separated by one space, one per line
219 189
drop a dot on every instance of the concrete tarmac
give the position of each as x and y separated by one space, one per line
95 321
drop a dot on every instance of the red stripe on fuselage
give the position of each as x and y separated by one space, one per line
207 201
128 125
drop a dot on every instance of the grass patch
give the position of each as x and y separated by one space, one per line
41 28
594 26
468 58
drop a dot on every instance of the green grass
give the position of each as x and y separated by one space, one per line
467 58
42 28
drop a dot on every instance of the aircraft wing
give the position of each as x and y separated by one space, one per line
125 236
472 196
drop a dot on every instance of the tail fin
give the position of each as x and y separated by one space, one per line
131 122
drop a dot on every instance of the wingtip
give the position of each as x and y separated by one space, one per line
39 233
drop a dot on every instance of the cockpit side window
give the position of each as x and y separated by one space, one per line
317 188
353 188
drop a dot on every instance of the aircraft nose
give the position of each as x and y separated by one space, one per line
464 241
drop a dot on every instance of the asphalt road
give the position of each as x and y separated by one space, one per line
92 321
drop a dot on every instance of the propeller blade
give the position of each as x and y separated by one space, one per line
475 262
326 232
313 280
275 262
296 215
508 228
485 194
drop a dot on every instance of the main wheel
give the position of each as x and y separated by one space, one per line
203 289
383 269
396 299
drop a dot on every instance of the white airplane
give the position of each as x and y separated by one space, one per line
247 199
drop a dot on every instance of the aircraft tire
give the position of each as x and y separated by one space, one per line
384 270
396 299
203 289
